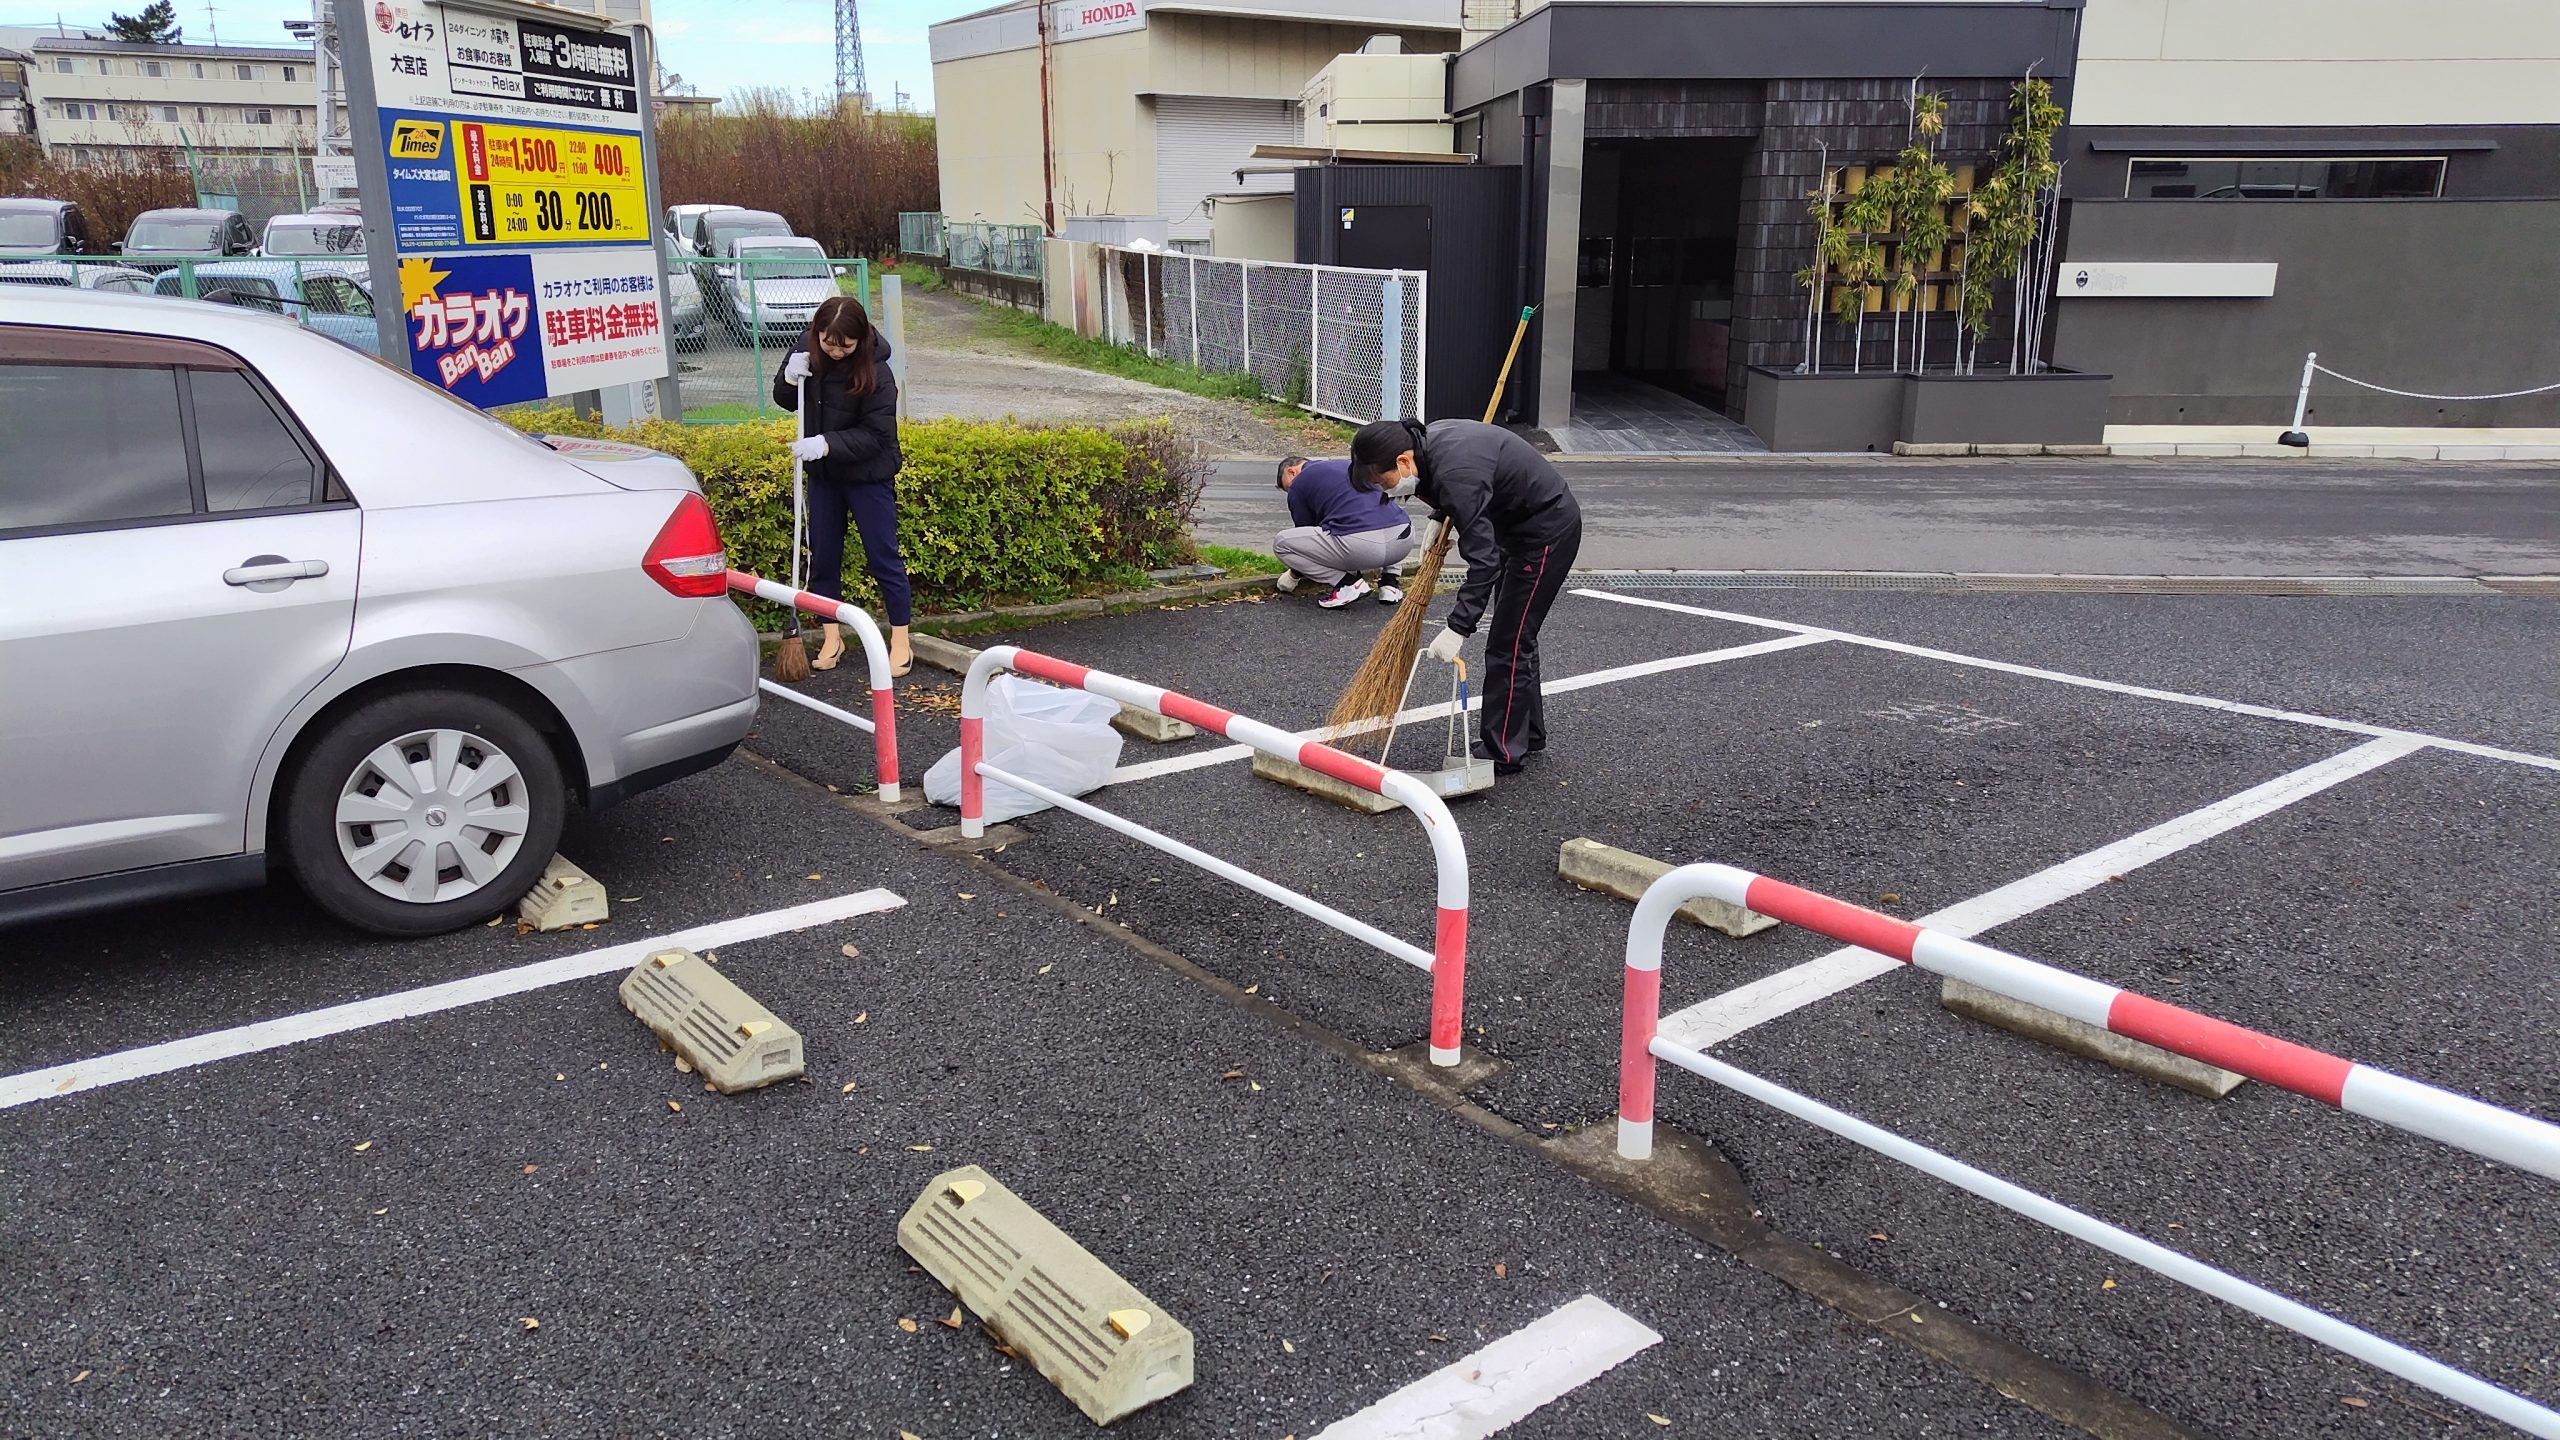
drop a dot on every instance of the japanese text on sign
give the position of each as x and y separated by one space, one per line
524 184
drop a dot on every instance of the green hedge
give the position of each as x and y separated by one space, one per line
989 512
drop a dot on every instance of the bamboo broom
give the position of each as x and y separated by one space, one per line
1363 718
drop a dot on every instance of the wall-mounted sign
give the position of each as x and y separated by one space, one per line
516 198
2148 279
1085 19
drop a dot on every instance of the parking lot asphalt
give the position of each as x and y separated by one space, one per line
206 1246
349 1236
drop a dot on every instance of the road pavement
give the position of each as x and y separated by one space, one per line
2131 516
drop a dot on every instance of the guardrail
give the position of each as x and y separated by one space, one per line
2458 1120
883 724
1445 961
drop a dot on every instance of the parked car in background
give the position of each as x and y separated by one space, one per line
331 298
318 232
680 224
781 280
273 611
713 230
186 231
685 323
32 225
64 275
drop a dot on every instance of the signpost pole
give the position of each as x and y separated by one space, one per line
373 180
645 79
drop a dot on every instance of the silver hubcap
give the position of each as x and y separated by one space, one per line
432 816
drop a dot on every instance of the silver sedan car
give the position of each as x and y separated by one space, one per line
275 606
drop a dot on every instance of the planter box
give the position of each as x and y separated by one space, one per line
1828 411
2053 407
1839 412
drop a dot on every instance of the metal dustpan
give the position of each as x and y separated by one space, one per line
1460 772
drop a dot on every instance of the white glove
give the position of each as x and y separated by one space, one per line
812 447
796 369
1445 646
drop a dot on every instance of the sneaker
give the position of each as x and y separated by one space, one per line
1286 581
1390 593
1344 593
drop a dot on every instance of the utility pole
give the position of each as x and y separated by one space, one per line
333 146
1048 147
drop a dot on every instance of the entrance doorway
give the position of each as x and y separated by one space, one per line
1659 219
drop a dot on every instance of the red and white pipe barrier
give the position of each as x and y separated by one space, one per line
883 723
1446 960
2395 1100
2458 1120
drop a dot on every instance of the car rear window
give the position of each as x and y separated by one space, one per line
251 461
90 444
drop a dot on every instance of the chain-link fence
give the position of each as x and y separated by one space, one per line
1341 342
732 321
920 233
997 249
329 294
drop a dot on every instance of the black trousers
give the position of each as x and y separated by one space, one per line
872 506
1514 720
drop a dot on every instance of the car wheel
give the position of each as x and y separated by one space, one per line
423 812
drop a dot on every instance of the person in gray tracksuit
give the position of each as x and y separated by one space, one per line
1518 528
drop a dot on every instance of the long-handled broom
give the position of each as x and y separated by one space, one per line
791 657
1360 719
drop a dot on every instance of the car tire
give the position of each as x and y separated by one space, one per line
451 778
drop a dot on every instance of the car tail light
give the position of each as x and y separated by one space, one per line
687 558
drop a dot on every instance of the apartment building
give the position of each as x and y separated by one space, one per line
95 101
16 118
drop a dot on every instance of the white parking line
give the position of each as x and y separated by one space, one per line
1175 765
71 1079
2064 677
1497 1386
1710 1022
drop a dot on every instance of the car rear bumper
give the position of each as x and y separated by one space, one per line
656 712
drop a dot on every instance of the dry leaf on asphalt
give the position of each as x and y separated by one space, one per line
850 953
364 1147
1656 1419
2106 1284
1256 1084
1501 1271
385 1210
529 1169
967 895
920 1147
1881 1235
865 1015
683 1066
528 1322
848 1088
1043 970
1287 1348
83 1375
953 1319
906 1324
1253 989
813 875
1232 1075
2343 1400
556 1075
672 1105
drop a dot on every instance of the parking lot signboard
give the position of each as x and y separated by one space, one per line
508 198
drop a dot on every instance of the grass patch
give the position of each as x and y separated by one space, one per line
1241 562
1056 342
909 273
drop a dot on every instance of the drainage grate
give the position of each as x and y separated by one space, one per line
2307 585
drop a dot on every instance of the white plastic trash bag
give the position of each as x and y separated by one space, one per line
1062 739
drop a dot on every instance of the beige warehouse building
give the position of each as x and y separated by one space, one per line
1154 104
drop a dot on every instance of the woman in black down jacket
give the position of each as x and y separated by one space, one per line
849 447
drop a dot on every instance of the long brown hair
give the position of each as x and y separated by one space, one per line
842 319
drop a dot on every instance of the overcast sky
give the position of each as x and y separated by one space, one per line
720 46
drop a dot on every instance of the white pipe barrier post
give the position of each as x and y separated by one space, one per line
2503 1135
883 723
2301 405
1446 960
1391 349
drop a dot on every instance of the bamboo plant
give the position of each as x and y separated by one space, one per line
2008 222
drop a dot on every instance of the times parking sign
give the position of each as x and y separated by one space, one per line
511 136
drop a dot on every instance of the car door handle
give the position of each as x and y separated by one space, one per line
263 571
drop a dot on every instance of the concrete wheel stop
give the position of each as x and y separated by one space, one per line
2079 1037
1623 873
1107 1347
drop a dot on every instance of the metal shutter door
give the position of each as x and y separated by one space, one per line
1199 143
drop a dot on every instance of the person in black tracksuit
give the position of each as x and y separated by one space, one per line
849 448
1518 528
